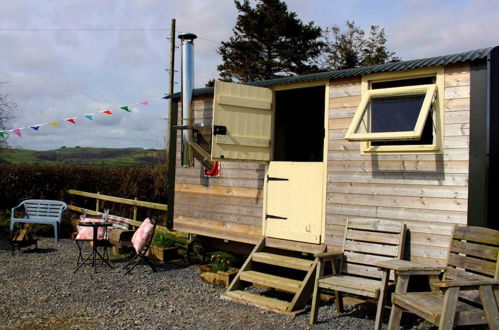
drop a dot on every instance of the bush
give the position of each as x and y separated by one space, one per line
222 261
162 240
146 183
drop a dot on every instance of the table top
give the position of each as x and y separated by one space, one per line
95 224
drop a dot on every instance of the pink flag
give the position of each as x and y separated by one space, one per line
71 120
144 103
17 131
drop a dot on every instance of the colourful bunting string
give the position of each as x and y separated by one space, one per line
72 120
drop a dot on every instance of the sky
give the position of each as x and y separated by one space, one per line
63 59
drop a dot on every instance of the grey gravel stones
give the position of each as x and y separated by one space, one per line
38 290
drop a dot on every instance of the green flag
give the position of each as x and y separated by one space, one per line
2 135
126 108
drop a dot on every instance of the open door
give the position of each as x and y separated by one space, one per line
242 122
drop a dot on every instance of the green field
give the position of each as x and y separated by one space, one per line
85 156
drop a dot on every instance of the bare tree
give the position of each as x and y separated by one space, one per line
7 107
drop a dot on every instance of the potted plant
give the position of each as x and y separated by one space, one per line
163 247
220 271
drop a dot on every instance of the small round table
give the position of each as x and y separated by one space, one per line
95 253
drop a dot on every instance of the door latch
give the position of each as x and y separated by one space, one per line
219 130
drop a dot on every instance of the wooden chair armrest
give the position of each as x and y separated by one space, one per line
326 255
463 284
408 266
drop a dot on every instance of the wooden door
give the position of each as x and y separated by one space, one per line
242 119
295 201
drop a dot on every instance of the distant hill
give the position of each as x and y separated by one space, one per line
85 156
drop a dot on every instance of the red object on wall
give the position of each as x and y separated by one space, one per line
214 171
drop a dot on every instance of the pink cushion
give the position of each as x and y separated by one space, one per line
87 233
142 235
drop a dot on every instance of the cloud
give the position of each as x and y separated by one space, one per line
57 74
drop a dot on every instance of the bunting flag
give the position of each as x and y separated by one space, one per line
72 120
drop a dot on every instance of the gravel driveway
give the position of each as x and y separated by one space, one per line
38 290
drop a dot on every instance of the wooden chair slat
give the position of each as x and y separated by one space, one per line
477 234
372 236
361 270
375 225
366 259
378 249
458 275
477 265
476 250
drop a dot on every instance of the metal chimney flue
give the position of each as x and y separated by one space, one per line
187 40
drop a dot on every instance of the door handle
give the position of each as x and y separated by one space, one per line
271 178
270 216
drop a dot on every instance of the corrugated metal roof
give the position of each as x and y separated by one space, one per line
469 56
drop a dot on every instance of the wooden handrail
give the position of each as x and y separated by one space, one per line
133 202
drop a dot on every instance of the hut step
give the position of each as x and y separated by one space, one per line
249 298
271 281
282 261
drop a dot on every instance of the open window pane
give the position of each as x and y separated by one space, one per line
395 114
392 114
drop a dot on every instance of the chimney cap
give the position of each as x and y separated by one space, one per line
187 36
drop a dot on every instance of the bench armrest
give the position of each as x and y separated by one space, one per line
408 266
464 283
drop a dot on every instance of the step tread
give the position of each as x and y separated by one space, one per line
273 281
258 300
283 261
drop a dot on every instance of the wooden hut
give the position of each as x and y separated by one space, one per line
414 141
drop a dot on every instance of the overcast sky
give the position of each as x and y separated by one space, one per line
62 70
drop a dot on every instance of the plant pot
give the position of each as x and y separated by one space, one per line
163 254
217 278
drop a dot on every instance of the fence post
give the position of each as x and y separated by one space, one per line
135 210
97 203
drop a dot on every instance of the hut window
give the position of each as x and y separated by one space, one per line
397 116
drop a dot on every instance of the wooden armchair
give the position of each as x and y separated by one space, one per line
469 292
366 242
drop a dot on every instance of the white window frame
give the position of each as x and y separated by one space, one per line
433 105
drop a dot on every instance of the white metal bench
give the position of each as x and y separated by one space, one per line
40 211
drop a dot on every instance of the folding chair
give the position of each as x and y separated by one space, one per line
86 235
141 241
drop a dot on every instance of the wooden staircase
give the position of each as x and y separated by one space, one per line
284 270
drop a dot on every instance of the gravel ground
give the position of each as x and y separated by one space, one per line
38 290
